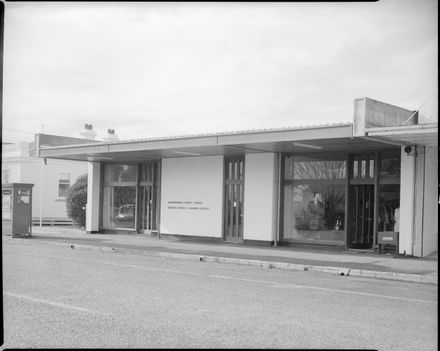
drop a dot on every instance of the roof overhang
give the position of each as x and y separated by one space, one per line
418 134
329 138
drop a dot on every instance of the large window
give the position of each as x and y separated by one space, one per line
63 185
119 199
389 192
314 198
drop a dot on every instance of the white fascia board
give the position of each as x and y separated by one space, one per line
323 132
419 129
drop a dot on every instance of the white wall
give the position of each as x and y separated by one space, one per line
192 196
26 169
419 202
431 201
407 193
46 179
260 197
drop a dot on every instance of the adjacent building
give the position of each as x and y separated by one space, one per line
342 185
51 180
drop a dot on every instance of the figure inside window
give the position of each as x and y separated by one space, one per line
316 211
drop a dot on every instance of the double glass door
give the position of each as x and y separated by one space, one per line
362 216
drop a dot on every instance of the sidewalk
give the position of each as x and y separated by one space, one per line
351 263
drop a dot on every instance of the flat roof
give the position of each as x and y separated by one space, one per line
299 140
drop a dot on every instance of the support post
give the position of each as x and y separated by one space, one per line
93 196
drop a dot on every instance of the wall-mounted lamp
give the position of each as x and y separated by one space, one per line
409 150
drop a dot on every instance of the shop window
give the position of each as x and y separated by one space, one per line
390 166
63 184
389 206
389 191
314 199
119 197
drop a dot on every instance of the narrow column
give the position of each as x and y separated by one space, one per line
93 189
260 198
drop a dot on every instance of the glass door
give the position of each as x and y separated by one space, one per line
362 216
148 195
361 229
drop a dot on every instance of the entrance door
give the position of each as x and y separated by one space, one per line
148 192
234 196
148 209
361 216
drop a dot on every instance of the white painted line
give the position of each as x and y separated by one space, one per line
51 303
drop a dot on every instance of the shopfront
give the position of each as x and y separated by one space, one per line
327 202
130 194
343 185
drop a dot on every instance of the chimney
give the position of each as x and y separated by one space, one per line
88 132
111 136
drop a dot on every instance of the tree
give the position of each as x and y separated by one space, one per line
76 199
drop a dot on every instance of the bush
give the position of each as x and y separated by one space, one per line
76 199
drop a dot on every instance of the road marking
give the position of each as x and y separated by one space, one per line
56 304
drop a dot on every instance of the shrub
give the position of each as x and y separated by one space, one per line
76 199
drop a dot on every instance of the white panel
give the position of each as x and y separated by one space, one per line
93 189
406 203
260 197
431 201
192 196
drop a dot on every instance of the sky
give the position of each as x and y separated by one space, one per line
167 69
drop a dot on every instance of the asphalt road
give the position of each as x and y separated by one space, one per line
59 297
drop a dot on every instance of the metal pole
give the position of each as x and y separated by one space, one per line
279 175
41 191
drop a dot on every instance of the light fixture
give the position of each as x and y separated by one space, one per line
98 158
307 146
186 153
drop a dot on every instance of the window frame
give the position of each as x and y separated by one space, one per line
63 182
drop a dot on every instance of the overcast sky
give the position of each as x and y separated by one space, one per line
166 69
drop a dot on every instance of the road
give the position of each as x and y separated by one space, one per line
58 297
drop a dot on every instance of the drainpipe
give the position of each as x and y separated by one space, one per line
41 191
423 199
277 231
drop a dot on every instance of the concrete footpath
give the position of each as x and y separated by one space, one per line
343 262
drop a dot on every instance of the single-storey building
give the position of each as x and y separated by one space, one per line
350 185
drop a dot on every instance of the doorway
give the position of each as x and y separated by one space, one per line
361 228
233 196
148 198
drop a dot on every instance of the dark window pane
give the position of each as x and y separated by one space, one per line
389 202
390 166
